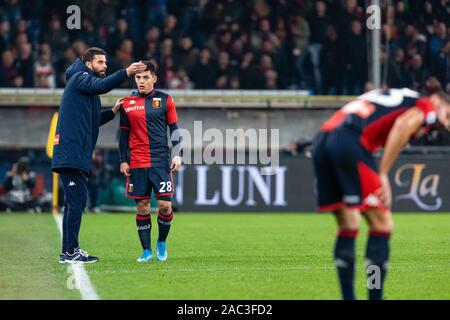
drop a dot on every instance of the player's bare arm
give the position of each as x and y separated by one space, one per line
404 128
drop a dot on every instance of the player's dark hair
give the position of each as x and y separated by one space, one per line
90 53
150 66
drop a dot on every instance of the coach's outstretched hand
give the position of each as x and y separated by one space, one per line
385 193
176 163
136 67
125 169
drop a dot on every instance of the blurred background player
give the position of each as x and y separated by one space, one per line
349 181
144 157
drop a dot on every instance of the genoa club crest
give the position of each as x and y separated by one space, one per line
156 103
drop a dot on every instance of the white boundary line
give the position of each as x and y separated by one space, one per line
85 286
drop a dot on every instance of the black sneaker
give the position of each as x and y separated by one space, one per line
62 258
80 256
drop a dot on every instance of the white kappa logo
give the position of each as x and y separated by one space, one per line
71 184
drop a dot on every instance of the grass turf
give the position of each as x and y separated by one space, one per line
226 256
29 250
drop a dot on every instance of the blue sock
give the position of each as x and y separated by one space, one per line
377 255
344 254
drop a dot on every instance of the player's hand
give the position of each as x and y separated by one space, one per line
385 193
117 106
176 164
125 169
136 67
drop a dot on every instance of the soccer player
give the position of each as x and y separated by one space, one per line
349 182
76 135
144 156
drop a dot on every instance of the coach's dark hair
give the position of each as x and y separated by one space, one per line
150 66
89 54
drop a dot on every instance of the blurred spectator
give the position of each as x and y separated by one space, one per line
223 65
56 37
191 15
271 78
441 64
433 138
201 73
89 34
167 72
5 29
79 46
121 33
349 12
44 73
438 40
297 148
417 73
318 21
356 60
169 30
332 52
7 71
180 81
156 12
24 65
63 64
186 54
19 184
95 182
396 70
300 32
125 53
264 33
316 45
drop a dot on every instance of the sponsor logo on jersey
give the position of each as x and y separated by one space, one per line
156 103
372 200
431 117
132 102
134 108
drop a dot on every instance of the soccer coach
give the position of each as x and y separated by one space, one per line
76 135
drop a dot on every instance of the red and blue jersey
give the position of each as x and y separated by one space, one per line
147 118
373 114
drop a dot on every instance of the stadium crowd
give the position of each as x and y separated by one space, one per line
228 44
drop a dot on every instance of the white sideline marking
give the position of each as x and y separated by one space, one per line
82 279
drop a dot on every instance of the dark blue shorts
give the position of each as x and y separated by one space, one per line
346 173
142 181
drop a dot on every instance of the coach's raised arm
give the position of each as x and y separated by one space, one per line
76 135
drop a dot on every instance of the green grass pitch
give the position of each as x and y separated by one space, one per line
220 256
